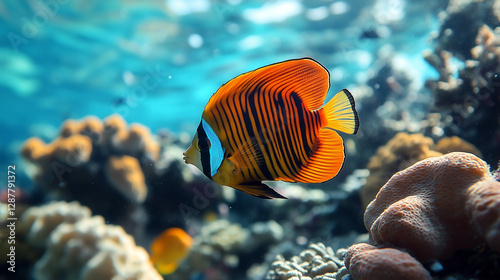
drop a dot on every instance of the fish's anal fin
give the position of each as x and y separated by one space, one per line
259 190
340 113
326 159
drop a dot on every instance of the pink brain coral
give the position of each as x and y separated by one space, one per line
366 261
423 208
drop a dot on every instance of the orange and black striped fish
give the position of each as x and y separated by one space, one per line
271 124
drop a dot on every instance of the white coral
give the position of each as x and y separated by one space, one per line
318 262
39 221
82 247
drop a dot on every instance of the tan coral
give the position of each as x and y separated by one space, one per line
400 152
92 127
422 208
125 174
84 147
456 144
367 262
137 141
115 125
33 149
70 127
73 151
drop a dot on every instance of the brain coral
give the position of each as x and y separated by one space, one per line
424 207
367 262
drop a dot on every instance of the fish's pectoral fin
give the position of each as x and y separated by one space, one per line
248 154
259 190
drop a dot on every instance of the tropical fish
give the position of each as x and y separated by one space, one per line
269 124
169 248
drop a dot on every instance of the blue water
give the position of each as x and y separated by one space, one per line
158 62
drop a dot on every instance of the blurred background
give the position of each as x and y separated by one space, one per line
420 72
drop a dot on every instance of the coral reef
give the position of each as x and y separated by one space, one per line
221 245
461 21
402 151
433 209
423 207
38 222
317 262
79 246
92 160
468 103
367 262
483 206
125 174
82 147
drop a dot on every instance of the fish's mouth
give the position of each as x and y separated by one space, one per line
185 158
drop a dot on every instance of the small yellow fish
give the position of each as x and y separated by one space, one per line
169 249
271 124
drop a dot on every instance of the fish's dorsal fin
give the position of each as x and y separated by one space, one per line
326 160
259 190
306 77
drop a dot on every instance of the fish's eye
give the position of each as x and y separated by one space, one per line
203 144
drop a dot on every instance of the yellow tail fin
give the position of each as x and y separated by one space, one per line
340 113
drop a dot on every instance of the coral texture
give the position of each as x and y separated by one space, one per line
83 146
82 247
38 222
125 174
222 245
92 160
483 206
317 262
367 262
402 151
468 103
423 208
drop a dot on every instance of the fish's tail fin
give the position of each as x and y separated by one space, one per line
340 113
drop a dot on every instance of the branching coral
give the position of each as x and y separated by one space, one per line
434 208
82 247
317 262
469 102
